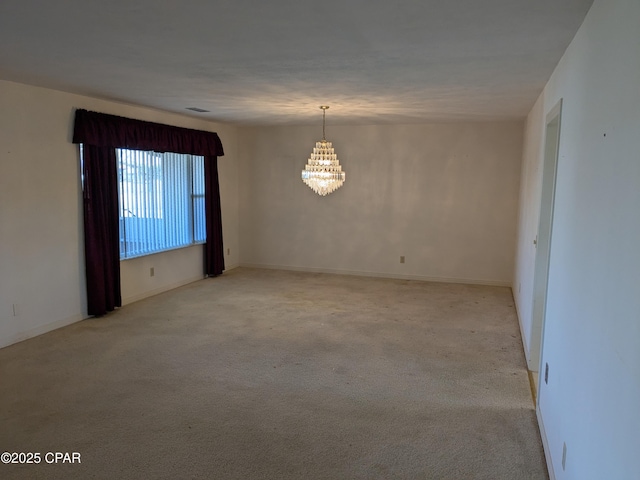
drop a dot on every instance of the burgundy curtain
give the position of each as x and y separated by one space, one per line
101 244
213 256
100 135
105 130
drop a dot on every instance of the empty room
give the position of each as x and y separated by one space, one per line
336 240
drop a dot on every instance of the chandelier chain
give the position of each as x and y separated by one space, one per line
324 116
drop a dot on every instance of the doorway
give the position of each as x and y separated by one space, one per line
543 239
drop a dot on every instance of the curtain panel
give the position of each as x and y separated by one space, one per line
213 257
101 245
100 135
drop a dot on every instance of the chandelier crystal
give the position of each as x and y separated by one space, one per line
323 174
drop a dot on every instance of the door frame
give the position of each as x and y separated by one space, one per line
542 241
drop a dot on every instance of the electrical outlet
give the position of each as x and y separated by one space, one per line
228 251
564 454
152 272
546 373
16 311
402 259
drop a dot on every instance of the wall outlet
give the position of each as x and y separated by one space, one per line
546 373
16 311
228 251
152 271
402 259
564 454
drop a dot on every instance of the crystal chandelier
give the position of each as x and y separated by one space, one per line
323 174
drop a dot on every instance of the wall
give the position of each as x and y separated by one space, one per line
591 338
443 196
41 239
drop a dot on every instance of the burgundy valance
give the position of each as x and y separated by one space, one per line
103 130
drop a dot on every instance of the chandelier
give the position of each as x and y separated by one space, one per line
323 174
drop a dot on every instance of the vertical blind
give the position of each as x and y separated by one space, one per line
161 199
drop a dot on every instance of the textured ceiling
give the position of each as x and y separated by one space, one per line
262 62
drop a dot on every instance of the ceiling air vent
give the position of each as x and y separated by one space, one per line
196 109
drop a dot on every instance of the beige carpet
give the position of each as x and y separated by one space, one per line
263 374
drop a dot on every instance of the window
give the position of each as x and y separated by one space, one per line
161 201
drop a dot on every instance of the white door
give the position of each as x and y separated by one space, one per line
543 239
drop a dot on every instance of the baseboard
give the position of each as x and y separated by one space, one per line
530 366
545 444
37 331
359 273
34 332
157 291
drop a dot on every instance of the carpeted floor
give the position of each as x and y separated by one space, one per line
264 374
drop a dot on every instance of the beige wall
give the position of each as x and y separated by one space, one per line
41 239
444 196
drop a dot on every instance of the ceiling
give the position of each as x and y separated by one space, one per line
256 62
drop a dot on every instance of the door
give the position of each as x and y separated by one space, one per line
543 239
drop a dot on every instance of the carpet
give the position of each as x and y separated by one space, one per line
267 374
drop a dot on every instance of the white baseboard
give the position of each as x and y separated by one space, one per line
545 444
34 332
159 290
424 278
531 365
42 329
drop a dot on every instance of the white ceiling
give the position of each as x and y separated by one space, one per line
262 62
